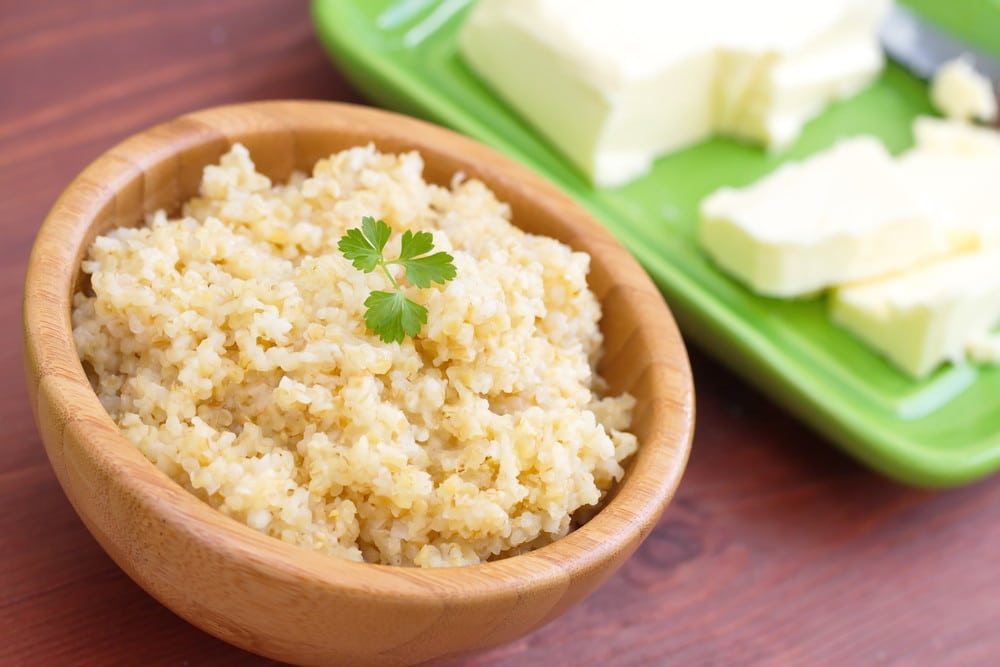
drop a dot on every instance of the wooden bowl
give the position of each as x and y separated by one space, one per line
283 601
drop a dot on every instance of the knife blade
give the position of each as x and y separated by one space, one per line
922 47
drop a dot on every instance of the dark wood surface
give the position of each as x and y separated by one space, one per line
777 550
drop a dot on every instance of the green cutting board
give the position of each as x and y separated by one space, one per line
944 430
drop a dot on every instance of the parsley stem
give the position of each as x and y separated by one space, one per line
388 274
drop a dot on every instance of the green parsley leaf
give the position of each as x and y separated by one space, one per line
364 246
412 244
392 315
376 231
423 271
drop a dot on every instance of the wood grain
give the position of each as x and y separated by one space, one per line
777 550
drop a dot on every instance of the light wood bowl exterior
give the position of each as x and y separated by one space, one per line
273 598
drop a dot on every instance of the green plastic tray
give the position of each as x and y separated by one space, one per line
944 430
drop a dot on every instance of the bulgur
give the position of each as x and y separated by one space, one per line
230 347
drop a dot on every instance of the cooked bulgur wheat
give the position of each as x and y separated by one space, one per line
229 345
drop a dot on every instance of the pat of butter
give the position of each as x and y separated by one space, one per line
927 315
614 85
962 93
956 192
840 216
984 348
935 135
951 175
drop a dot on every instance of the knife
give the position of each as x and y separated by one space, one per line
922 47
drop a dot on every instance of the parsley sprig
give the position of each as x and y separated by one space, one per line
392 315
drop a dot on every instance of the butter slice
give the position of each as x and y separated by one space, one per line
962 93
927 315
614 85
840 216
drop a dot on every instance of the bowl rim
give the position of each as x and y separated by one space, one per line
51 356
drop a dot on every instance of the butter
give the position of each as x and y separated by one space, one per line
951 174
854 212
927 315
962 93
911 244
984 348
936 135
843 215
614 85
771 81
958 193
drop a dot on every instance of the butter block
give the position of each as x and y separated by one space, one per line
614 85
769 85
840 216
606 98
927 315
962 93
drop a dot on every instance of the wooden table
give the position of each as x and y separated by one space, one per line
778 550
